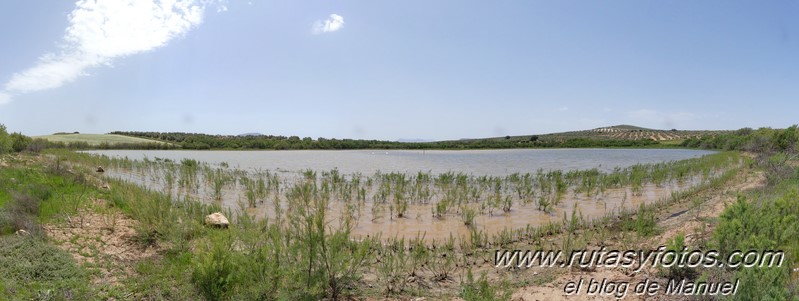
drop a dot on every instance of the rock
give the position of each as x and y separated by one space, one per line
22 232
217 220
105 186
100 169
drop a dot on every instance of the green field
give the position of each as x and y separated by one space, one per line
96 139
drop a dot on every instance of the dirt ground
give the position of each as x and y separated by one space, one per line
102 240
680 218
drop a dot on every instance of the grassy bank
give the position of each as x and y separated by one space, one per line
31 194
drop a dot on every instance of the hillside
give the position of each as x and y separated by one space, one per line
618 132
96 139
635 133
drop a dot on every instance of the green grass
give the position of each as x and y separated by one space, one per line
96 139
56 190
675 142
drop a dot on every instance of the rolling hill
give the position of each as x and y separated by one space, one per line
96 139
619 132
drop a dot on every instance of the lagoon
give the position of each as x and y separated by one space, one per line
475 162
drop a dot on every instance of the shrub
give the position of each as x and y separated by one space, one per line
5 140
769 223
214 272
644 223
37 145
481 290
676 245
20 142
33 268
20 213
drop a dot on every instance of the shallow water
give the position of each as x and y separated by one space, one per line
475 162
419 218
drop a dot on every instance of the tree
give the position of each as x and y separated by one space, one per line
5 140
19 142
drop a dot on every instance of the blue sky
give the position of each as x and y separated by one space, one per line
390 70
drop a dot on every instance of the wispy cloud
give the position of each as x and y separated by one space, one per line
100 31
333 23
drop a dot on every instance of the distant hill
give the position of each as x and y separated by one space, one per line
413 140
627 127
250 134
619 132
610 136
627 132
95 139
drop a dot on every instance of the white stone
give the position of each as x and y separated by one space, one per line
217 219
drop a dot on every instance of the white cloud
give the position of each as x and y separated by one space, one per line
333 23
100 31
563 109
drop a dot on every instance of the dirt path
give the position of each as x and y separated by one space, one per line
682 218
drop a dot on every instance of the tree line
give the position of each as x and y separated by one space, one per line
745 139
762 140
271 142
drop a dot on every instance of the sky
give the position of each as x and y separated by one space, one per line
390 70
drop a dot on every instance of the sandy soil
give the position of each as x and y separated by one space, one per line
679 218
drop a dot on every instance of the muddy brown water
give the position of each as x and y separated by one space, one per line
475 162
419 219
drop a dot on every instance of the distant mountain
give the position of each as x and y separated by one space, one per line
250 134
416 140
627 127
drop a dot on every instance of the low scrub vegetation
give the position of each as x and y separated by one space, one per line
33 269
768 220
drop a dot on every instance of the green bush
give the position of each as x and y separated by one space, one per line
33 269
20 142
214 271
5 140
644 223
766 223
481 290
676 245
